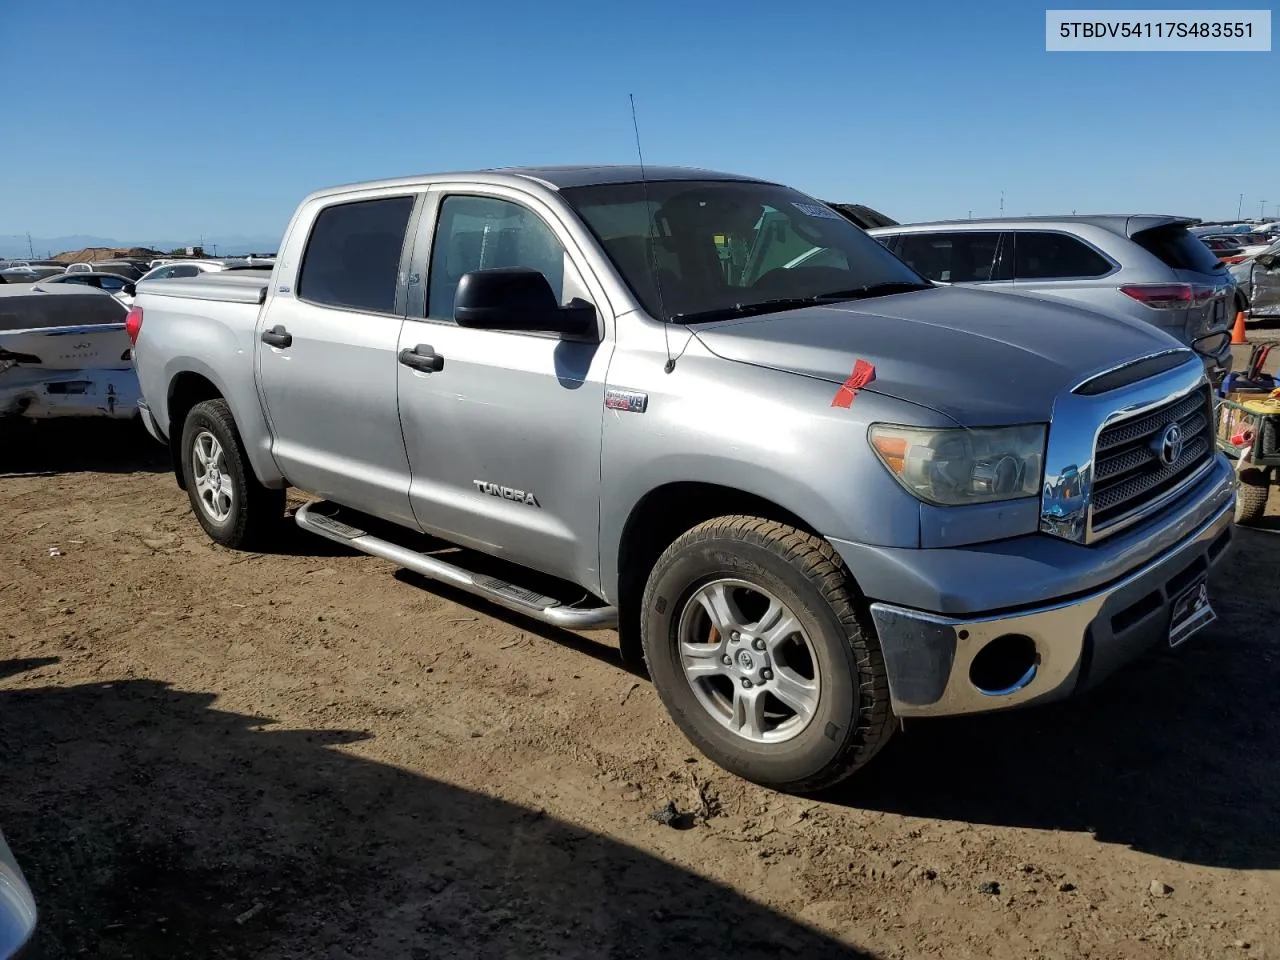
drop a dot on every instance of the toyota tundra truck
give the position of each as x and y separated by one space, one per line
814 493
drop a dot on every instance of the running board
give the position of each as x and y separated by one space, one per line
504 594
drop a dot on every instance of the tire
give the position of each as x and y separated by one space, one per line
252 512
1251 496
834 652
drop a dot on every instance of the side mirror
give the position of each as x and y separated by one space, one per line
129 290
1266 260
518 299
1211 345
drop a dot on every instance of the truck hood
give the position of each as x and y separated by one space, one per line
978 357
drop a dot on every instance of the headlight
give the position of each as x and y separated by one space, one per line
958 466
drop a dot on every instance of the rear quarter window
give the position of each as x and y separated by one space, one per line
353 255
1040 255
1178 248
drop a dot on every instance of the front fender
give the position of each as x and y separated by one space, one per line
769 434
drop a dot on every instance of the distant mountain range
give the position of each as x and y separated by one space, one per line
13 246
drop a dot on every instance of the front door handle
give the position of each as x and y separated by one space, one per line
277 336
423 358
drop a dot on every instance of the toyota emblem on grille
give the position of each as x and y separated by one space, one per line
1171 445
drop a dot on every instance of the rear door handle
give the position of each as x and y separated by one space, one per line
422 357
277 336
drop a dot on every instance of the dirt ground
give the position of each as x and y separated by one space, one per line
306 755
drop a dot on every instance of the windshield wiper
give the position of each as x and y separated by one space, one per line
795 303
873 290
746 309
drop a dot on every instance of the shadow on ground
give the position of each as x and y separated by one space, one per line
151 825
78 446
1176 756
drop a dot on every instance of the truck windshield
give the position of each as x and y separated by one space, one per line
699 250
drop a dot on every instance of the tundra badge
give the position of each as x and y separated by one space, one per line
507 493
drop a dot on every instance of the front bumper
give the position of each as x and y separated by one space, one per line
1079 637
17 906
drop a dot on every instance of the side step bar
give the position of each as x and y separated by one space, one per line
508 595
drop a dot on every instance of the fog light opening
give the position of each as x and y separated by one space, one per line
1005 665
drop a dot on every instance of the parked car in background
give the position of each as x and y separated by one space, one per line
30 273
1249 244
111 283
862 215
1258 279
1226 249
177 269
18 913
64 352
128 269
1147 267
181 268
558 367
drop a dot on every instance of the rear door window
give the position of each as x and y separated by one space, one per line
967 256
1178 248
352 258
1039 255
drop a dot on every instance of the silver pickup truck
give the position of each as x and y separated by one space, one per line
818 493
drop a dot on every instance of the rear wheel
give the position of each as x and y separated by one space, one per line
232 506
754 641
1251 495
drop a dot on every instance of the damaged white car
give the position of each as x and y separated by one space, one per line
64 352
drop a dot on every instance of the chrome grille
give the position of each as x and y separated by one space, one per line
1129 473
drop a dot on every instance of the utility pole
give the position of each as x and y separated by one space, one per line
1240 207
970 214
1002 203
31 251
1262 206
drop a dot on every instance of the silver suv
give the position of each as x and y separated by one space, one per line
1148 267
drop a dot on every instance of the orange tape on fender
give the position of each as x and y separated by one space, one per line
863 373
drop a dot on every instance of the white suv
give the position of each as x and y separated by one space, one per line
1148 267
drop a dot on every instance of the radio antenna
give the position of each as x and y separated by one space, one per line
670 365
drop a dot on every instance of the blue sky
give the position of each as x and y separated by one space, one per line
211 118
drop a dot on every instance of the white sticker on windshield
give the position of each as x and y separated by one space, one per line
814 210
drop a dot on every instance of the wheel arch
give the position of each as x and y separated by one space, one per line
192 381
186 389
657 519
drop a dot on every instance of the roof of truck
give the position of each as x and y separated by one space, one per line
556 178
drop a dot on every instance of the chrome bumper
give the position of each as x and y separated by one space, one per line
1078 642
17 906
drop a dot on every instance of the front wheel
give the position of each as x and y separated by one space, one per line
232 506
757 647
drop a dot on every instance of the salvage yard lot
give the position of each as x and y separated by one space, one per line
304 754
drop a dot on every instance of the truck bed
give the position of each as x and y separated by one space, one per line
232 286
